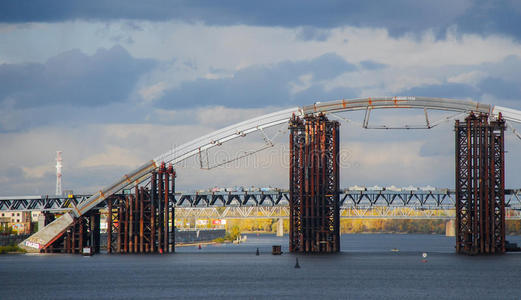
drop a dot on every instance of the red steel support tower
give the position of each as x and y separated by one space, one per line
314 185
480 185
142 222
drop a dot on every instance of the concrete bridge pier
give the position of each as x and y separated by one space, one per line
450 228
280 227
41 221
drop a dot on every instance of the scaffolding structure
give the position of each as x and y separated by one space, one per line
314 185
480 185
143 222
83 233
138 222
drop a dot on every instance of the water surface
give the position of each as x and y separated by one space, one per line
365 269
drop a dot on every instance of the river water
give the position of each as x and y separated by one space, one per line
365 269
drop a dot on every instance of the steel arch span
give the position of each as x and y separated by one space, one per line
194 147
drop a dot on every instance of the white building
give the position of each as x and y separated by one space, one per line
17 216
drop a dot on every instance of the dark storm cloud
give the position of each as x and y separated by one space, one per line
260 86
398 16
502 81
73 78
485 17
500 88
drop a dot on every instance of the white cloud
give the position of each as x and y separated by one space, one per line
384 82
112 156
236 47
220 116
38 171
471 78
93 154
217 51
410 61
301 84
153 92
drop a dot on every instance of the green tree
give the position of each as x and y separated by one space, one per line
233 233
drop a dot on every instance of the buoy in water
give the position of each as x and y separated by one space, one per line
297 266
424 255
257 253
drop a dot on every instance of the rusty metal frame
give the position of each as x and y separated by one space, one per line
83 232
137 222
144 217
314 185
480 185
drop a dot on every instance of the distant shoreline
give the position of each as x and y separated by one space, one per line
196 244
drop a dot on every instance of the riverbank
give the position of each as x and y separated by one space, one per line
11 249
196 244
12 239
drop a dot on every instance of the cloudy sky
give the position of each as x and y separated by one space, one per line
115 83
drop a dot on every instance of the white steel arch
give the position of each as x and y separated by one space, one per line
226 134
187 150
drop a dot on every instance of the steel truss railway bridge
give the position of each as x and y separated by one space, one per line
435 204
314 200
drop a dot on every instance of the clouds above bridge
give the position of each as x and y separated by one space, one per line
399 17
284 84
73 78
114 83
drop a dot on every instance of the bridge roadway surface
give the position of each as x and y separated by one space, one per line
217 138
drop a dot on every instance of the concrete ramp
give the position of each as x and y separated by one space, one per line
48 234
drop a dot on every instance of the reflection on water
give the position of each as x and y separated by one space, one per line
366 268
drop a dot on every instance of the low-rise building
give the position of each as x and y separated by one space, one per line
35 214
17 216
19 221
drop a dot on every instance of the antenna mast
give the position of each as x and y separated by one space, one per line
58 172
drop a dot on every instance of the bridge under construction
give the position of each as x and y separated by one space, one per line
141 217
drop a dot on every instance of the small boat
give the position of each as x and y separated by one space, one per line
395 250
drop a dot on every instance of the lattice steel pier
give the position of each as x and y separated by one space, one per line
136 223
140 222
480 185
84 232
314 185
